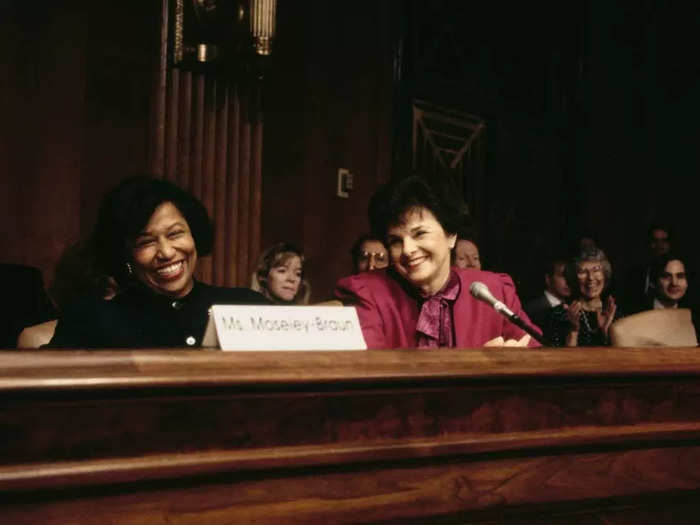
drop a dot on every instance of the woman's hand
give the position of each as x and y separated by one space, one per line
607 316
499 341
573 314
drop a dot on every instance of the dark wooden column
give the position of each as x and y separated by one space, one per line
206 135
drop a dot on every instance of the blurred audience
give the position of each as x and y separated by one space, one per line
582 240
638 279
279 275
668 284
369 253
587 319
466 253
26 301
76 277
556 291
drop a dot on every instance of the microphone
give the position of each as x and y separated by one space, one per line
481 292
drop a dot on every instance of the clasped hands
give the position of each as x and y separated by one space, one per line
605 315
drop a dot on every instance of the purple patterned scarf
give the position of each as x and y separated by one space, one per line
434 327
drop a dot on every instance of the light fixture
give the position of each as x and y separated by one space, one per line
222 34
262 25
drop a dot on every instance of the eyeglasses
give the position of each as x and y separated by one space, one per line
593 270
377 256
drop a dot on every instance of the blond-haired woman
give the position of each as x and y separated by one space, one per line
279 275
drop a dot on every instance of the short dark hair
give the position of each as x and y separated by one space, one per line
77 275
465 233
658 265
126 209
398 196
550 263
659 225
356 249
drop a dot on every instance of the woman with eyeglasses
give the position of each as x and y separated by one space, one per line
586 320
369 253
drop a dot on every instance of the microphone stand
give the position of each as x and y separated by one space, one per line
481 292
517 321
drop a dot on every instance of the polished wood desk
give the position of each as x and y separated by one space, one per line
460 436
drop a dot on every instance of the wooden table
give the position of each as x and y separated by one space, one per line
431 436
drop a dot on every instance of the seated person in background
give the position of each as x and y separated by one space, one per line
586 321
466 253
369 254
25 301
149 235
279 275
76 277
669 283
586 243
421 300
638 280
556 291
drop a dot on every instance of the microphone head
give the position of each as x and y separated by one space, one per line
479 290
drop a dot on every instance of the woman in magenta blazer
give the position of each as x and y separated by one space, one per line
421 300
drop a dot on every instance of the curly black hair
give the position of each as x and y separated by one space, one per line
126 210
394 199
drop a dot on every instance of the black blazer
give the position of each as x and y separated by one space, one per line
24 301
138 318
538 309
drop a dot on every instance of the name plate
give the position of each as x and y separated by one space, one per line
255 327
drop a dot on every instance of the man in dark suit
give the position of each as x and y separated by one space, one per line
25 302
556 291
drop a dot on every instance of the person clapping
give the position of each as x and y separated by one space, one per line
586 320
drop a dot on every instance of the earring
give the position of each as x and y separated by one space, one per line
129 269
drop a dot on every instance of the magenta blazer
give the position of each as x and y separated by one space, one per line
388 313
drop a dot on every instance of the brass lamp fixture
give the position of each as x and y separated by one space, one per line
221 35
262 25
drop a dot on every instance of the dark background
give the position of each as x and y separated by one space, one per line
591 112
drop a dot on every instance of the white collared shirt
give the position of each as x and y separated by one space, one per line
658 305
552 299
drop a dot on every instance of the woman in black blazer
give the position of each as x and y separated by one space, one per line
149 236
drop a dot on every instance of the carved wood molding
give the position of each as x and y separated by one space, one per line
342 437
449 133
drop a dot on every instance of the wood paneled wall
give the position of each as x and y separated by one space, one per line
74 106
207 137
328 105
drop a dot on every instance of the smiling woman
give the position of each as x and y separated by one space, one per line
148 237
421 301
586 320
164 253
